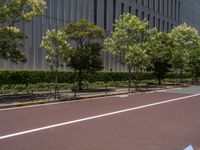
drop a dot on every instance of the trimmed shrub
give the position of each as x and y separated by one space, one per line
35 77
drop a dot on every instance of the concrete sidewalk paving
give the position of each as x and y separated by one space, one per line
65 96
69 96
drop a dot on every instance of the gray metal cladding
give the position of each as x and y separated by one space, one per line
165 13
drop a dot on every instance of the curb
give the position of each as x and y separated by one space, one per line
20 104
85 97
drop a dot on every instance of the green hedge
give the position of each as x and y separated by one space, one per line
34 77
116 76
175 75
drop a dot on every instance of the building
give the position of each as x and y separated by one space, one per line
163 14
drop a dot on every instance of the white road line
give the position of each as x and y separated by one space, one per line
124 96
150 92
94 117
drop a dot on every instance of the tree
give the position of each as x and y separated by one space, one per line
139 60
11 13
193 63
85 39
14 11
185 39
158 49
126 41
10 45
58 50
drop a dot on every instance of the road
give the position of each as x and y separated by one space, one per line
167 120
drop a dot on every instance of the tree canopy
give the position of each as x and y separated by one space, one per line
158 49
13 11
85 39
58 50
10 45
185 39
11 38
126 41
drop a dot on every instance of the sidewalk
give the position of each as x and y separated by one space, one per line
44 97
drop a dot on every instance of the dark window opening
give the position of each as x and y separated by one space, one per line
154 5
114 10
163 26
105 14
142 15
130 9
172 26
122 8
148 4
158 6
171 8
142 2
136 12
168 27
148 18
163 7
175 9
154 21
95 11
158 24
167 8
179 11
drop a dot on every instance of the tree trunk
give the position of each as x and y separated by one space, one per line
129 79
80 85
56 76
136 86
196 78
56 85
159 81
181 75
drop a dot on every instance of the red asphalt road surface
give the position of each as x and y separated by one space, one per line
169 126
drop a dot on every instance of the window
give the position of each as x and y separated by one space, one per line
95 11
142 2
168 27
171 8
163 26
175 9
130 9
179 11
105 14
148 4
163 7
167 8
114 10
142 15
136 12
158 6
122 8
154 5
148 18
154 21
158 24
172 26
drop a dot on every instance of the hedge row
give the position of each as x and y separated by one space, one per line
34 77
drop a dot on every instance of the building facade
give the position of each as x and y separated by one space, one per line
162 14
